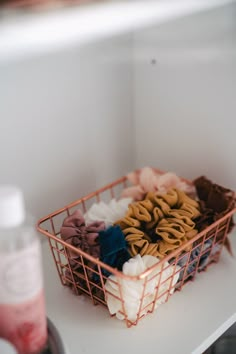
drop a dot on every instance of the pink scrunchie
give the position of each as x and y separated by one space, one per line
147 180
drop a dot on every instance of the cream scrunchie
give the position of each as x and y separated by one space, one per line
132 290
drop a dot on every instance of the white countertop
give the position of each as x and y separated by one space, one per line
188 323
33 33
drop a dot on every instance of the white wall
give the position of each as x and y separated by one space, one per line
185 96
75 120
66 126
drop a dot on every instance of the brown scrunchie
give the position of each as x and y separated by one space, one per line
160 223
215 202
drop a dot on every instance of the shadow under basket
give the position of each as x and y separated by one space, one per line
88 275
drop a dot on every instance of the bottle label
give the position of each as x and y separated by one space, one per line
20 274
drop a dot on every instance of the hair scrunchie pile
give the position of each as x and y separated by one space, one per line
160 223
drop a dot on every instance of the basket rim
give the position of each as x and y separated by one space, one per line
160 262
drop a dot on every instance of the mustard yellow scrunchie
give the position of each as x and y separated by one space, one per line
160 223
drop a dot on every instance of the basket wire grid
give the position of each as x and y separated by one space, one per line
79 276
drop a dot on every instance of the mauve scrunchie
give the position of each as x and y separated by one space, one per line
75 232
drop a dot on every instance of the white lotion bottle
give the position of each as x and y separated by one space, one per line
22 307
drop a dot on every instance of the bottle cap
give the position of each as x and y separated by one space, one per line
12 210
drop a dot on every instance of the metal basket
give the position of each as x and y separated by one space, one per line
81 281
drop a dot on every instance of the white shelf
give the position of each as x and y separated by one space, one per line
23 35
187 324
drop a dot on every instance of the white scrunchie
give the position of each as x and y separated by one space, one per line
133 290
107 212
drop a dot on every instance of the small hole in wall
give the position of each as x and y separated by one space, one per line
153 61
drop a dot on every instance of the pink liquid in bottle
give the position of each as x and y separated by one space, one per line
22 307
24 325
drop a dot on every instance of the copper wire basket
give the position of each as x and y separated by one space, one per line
82 283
